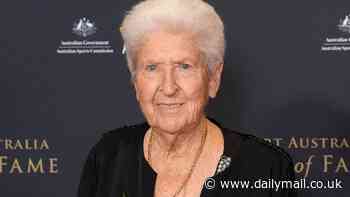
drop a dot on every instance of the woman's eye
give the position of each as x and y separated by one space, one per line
151 67
185 66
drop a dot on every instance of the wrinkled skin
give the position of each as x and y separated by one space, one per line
172 81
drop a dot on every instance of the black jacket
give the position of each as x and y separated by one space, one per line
116 167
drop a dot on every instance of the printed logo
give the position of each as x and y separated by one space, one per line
84 27
344 24
338 43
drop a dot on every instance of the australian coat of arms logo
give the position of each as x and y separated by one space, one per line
84 27
344 24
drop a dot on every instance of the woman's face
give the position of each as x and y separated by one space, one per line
172 82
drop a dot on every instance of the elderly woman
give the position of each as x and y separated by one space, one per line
175 51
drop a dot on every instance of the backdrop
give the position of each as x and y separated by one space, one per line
64 81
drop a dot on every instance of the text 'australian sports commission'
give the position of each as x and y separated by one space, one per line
273 184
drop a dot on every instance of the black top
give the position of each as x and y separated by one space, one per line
116 166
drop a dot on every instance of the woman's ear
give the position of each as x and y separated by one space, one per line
134 84
215 79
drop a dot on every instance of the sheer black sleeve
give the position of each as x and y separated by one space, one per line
88 178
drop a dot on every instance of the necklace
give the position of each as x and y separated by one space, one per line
195 161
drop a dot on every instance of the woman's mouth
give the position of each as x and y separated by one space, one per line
170 107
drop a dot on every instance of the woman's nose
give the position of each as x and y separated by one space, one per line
168 85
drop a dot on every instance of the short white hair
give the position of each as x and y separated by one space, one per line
195 16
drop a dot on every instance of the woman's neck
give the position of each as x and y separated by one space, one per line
179 144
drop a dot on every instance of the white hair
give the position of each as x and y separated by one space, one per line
195 16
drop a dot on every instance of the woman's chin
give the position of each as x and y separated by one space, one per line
171 125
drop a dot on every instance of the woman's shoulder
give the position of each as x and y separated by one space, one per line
126 133
115 151
124 138
253 151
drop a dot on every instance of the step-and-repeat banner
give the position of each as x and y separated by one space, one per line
64 82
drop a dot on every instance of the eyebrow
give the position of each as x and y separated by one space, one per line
182 61
172 61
